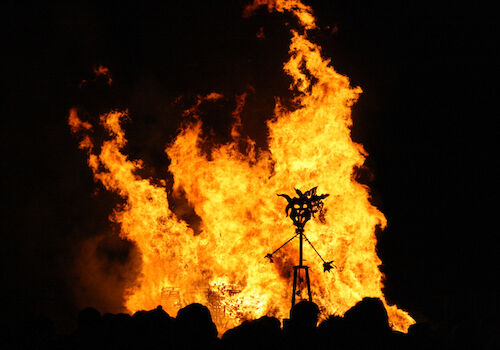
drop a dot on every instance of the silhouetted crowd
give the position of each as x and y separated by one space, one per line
365 326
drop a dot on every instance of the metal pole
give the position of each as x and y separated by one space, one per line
294 285
308 284
301 232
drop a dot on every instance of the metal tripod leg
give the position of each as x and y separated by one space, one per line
294 284
308 283
295 280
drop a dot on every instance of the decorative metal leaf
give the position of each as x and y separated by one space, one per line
328 265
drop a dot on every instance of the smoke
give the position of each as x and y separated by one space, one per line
107 267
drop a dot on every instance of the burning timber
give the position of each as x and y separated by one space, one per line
172 300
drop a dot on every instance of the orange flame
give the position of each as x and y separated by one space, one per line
103 71
234 194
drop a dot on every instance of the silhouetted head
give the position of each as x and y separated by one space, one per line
333 333
333 322
116 321
88 318
263 333
369 314
195 319
155 318
305 314
159 313
419 330
266 322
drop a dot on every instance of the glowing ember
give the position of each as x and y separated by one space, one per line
234 194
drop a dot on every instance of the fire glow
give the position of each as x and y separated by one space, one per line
234 194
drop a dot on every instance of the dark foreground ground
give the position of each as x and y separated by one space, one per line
365 326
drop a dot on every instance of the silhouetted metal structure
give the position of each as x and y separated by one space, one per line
300 209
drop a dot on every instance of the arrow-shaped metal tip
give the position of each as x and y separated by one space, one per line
328 265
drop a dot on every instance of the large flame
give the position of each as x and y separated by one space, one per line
242 219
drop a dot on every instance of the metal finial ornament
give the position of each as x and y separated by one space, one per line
301 209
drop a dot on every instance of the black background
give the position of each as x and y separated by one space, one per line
426 117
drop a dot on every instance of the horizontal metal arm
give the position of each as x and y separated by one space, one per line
284 244
308 241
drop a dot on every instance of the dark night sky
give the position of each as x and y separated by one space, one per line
425 118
